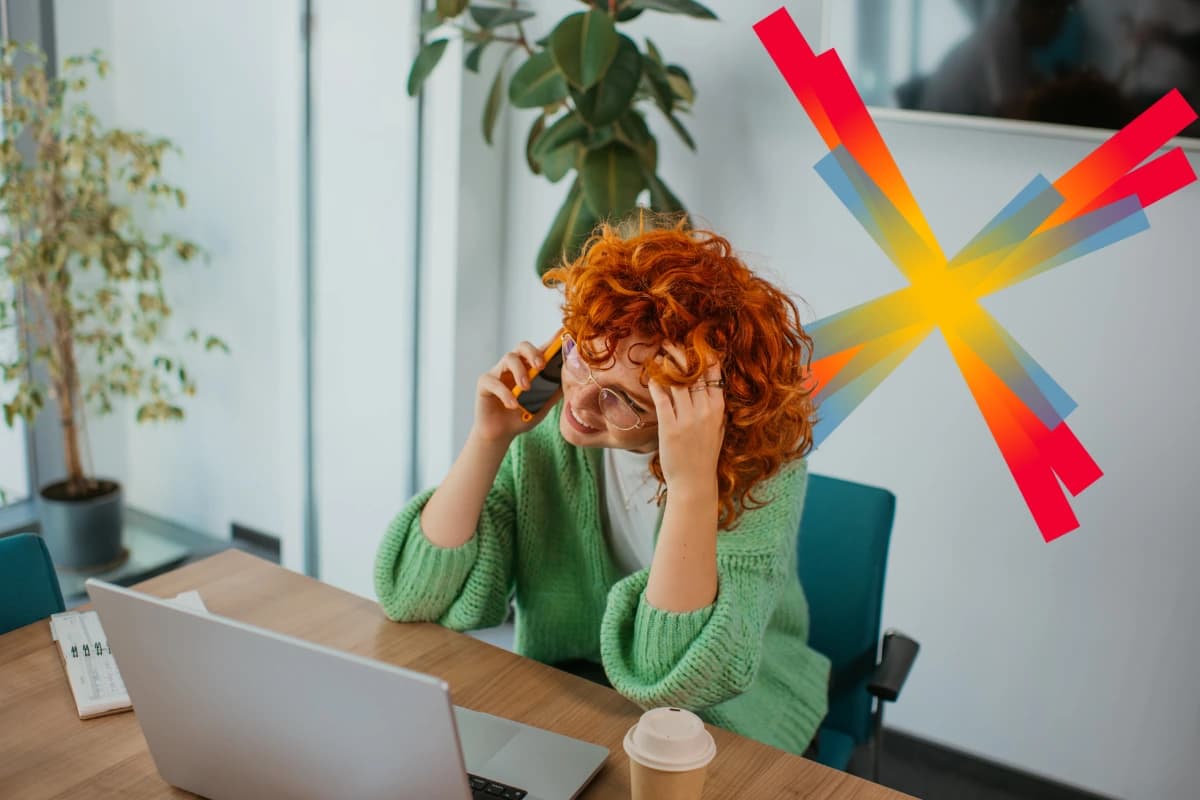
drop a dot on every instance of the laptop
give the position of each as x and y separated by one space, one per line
230 710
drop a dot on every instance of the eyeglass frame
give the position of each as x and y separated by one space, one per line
641 423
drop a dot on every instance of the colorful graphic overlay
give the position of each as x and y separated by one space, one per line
1100 200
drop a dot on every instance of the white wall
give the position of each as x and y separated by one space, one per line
223 80
14 481
14 477
462 259
1074 660
365 149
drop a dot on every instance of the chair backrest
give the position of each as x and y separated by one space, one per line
29 588
842 557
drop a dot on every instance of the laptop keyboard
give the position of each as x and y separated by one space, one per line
483 789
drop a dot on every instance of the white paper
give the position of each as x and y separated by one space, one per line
91 669
191 599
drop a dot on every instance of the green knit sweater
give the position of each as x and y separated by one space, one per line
742 663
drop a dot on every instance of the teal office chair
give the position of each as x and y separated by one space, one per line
29 588
842 554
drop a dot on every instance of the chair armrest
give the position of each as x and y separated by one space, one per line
899 653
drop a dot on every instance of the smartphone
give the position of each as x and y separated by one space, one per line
543 383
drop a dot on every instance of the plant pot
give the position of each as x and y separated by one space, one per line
83 532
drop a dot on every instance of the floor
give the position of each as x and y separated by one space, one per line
931 772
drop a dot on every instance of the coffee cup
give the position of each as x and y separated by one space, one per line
669 751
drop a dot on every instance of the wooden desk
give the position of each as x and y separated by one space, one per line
47 751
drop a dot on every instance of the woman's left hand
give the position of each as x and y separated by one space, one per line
691 427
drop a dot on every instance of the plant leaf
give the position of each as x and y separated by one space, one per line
681 84
448 9
689 7
535 131
655 76
489 17
631 128
471 62
570 229
491 109
611 178
661 198
424 63
600 137
565 129
608 99
583 45
537 83
652 50
430 20
560 161
682 131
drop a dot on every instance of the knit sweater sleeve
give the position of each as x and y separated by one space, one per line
462 588
701 658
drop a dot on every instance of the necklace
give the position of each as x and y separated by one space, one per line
628 497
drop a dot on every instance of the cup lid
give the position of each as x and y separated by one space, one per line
671 740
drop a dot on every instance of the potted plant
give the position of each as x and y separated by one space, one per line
81 286
589 84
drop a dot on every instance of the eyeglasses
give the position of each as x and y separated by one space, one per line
613 405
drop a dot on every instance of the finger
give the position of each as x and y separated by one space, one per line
662 403
683 401
678 357
518 368
491 385
704 398
713 372
531 354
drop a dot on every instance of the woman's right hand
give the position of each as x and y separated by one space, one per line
497 413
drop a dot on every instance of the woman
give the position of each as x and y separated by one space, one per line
647 522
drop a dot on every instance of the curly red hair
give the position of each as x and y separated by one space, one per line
683 285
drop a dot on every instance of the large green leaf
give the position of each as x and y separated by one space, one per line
447 9
652 51
472 60
424 63
492 17
654 75
495 99
570 229
682 131
584 44
661 198
689 7
681 84
537 83
622 15
567 128
600 137
631 128
609 98
612 179
430 20
535 131
558 162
